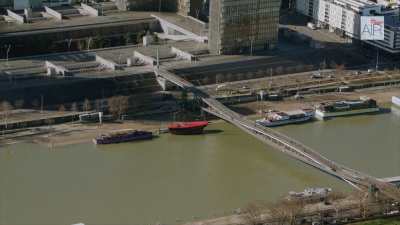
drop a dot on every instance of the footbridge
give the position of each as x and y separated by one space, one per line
282 142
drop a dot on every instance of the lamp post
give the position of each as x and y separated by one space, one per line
7 52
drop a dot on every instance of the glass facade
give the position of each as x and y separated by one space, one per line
241 25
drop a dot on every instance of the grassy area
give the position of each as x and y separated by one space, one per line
391 221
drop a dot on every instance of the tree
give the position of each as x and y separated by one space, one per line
118 105
279 70
333 64
286 211
6 108
249 75
35 103
323 65
19 103
61 108
50 121
219 78
206 80
362 201
253 211
299 68
339 69
74 107
129 38
86 105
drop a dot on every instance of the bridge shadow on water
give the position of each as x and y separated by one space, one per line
212 131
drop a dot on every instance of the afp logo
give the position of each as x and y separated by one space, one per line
372 28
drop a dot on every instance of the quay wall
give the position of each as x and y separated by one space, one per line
77 89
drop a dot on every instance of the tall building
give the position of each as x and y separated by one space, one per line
238 26
194 8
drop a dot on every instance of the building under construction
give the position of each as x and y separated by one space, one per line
238 26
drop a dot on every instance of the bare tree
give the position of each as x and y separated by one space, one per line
286 211
6 108
362 201
332 64
35 103
249 75
335 195
299 68
50 121
239 76
86 105
19 103
61 108
74 107
278 213
219 78
206 80
279 70
99 107
228 77
253 211
118 105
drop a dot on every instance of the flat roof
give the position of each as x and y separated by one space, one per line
188 23
73 22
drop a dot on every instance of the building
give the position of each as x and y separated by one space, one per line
194 8
238 26
344 17
391 43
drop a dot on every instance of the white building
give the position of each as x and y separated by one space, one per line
345 15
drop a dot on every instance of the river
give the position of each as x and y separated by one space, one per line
172 179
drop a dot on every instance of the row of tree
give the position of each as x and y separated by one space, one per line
116 105
357 204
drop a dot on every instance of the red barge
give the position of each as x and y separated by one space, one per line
184 128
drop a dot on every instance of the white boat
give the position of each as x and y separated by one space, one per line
310 193
396 100
278 118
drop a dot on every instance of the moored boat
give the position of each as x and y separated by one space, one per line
123 136
184 128
396 100
278 118
346 107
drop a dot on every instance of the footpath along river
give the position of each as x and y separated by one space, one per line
173 179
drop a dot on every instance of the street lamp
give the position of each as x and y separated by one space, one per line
69 42
7 52
89 41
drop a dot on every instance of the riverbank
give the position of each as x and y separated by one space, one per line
75 133
333 209
382 96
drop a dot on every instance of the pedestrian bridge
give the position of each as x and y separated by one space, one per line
393 180
284 143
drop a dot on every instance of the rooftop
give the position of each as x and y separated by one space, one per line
110 18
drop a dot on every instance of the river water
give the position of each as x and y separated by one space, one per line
172 179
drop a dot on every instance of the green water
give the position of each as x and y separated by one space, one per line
174 178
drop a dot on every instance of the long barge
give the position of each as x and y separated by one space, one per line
123 136
346 107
